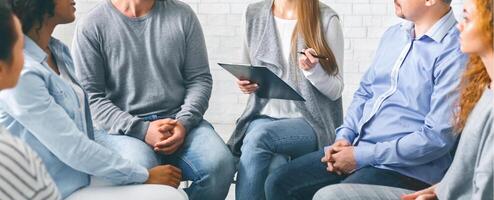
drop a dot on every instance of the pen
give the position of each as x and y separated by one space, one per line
320 57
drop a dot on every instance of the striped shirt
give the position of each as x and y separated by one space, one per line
22 174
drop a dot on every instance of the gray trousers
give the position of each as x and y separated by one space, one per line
360 192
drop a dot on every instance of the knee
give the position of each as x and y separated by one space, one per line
277 161
146 159
272 187
220 160
330 192
220 169
158 192
137 151
273 182
258 137
215 177
212 162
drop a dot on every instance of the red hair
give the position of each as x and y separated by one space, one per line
475 79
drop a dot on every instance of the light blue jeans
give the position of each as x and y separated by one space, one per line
203 159
266 142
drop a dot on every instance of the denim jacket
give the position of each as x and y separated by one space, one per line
45 112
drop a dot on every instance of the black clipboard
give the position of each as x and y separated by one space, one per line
270 85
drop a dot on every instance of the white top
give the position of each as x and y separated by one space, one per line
79 92
330 86
285 28
279 108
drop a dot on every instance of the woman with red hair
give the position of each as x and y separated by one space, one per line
471 173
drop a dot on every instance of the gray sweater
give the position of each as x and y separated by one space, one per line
471 173
133 67
322 113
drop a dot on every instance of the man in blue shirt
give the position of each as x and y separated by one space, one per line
397 130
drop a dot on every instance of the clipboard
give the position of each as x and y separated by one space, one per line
270 85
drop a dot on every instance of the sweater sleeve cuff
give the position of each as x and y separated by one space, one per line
314 74
364 155
139 130
186 122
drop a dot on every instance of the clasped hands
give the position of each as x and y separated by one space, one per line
166 136
340 158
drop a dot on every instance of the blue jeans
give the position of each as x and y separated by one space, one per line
264 140
304 176
203 159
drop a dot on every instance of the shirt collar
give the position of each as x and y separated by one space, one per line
438 31
33 50
442 27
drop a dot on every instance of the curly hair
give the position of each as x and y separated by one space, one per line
32 12
475 79
7 32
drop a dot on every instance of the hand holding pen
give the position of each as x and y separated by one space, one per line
309 59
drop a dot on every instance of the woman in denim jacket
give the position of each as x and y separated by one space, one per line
49 110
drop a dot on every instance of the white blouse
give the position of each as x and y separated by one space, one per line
329 85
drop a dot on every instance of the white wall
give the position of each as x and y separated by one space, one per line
363 21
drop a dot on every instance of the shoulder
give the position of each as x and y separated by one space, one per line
177 9
392 34
330 18
31 66
257 6
14 148
327 11
394 30
486 123
182 14
449 52
451 41
32 72
176 5
254 10
97 15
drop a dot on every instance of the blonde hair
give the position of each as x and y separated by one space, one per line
310 28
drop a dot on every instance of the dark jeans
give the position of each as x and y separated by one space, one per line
304 176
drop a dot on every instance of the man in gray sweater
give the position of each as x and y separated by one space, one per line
145 68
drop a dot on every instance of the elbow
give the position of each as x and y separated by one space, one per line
337 92
335 97
443 139
446 146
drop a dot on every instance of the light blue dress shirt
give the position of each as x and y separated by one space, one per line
46 112
401 115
